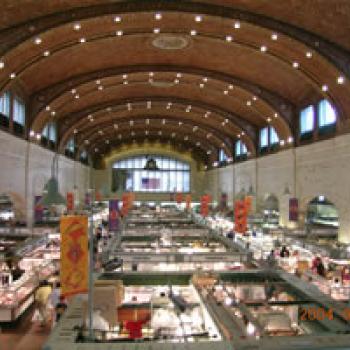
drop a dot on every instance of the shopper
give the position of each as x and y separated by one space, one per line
60 308
42 298
271 260
284 253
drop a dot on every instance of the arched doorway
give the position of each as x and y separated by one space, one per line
322 217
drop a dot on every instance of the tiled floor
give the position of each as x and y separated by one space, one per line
25 335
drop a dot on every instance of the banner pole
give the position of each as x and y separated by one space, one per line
91 274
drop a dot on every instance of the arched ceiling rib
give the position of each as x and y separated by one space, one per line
273 67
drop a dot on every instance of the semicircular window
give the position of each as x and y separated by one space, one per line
151 173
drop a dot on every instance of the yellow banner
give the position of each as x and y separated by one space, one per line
74 255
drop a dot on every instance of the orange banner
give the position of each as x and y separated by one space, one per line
74 255
240 216
205 201
188 201
70 201
248 203
128 201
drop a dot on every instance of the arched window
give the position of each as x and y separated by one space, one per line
70 148
307 121
222 157
151 173
268 139
327 115
5 109
241 151
84 158
49 135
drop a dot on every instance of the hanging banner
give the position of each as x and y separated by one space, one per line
127 200
38 210
87 200
205 201
223 201
179 198
113 214
70 201
188 202
293 209
248 203
74 255
240 216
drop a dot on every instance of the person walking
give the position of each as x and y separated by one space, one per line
42 298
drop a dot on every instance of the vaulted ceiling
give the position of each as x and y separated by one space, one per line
198 74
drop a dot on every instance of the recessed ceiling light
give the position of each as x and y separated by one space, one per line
2 64
77 26
100 87
82 40
205 79
290 139
46 53
47 108
268 119
12 75
263 48
340 80
225 92
125 82
223 123
239 136
226 120
53 113
230 87
276 115
163 121
98 81
151 74
249 103
324 87
308 54
180 123
38 41
274 36
193 32
242 133
176 81
198 18
295 65
254 98
125 76
201 85
237 25
119 33
158 16
117 19
76 96
178 75
73 91
156 30
229 38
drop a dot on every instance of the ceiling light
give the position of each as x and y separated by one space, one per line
168 107
107 142
38 41
163 121
158 16
82 40
38 136
47 108
254 98
249 103
229 38
117 19
242 133
201 85
147 121
156 30
198 143
237 25
125 82
149 104
178 75
276 115
119 33
2 64
282 142
208 152
131 122
12 75
340 80
151 74
115 126
98 82
46 53
226 120
324 87
193 32
263 48
225 92
180 123
223 123
290 139
77 26
205 79
308 54
129 106
76 96
92 120
73 91
146 132
159 133
176 81
53 113
295 65
268 119
100 87
198 18
230 87
274 36
239 136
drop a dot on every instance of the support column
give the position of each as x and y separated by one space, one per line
344 226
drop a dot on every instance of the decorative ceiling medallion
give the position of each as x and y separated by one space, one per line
170 42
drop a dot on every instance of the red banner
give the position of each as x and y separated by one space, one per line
240 216
179 198
293 209
74 255
70 201
128 201
205 201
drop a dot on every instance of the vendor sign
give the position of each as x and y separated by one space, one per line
113 214
74 255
